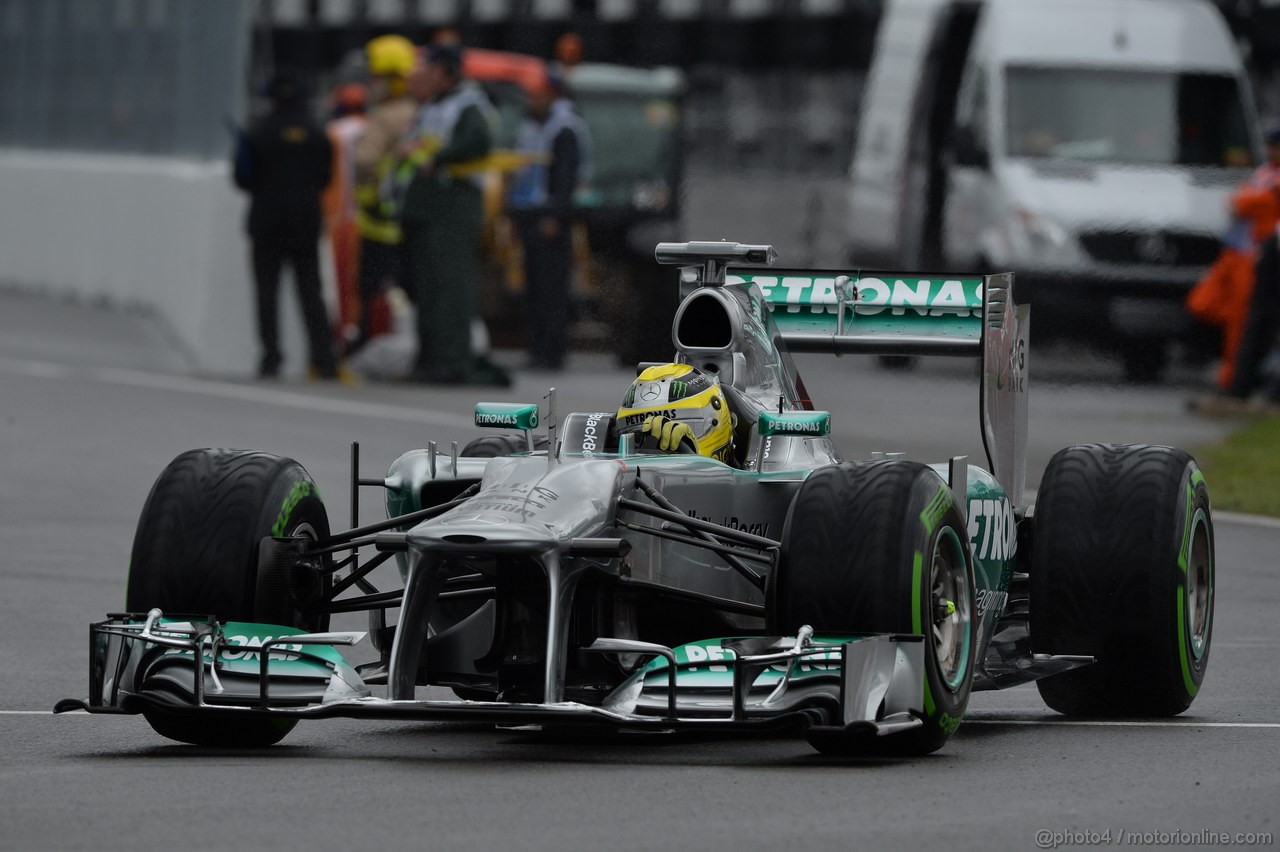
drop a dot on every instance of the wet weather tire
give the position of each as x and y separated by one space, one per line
493 446
1123 570
196 552
881 547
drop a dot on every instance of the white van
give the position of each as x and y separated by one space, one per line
1088 145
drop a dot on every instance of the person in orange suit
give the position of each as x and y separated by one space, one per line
347 104
1223 296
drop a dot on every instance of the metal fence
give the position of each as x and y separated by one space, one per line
155 77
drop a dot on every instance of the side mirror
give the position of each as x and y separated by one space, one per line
508 415
802 424
966 150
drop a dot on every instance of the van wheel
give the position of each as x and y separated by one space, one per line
881 547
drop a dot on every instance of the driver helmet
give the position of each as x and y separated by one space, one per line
683 393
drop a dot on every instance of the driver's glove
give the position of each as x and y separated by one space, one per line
668 432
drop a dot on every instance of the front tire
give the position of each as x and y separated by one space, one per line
881 547
196 552
1123 570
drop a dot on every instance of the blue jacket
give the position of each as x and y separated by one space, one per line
564 142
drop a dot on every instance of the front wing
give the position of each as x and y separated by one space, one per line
870 684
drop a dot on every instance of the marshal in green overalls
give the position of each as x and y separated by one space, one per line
442 217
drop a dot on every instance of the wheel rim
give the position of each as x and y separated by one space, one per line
949 609
302 529
1199 586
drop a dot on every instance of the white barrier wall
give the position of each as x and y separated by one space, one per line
161 233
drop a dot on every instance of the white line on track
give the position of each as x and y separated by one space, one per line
231 390
36 369
1118 723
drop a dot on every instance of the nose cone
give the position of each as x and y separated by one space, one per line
471 530
525 507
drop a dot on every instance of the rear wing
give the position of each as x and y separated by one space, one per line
877 313
893 313
890 313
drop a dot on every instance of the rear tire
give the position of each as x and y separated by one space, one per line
870 548
493 446
196 552
1123 570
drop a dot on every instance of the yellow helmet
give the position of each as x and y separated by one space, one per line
390 55
685 394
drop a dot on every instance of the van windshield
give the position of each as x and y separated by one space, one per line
1138 117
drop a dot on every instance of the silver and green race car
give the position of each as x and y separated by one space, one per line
554 574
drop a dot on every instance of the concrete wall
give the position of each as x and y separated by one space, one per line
161 234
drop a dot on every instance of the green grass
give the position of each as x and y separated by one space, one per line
1243 472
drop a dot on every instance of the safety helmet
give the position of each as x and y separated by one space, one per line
390 55
685 394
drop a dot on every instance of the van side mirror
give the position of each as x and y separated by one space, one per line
966 150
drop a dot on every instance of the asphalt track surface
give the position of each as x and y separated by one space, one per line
87 421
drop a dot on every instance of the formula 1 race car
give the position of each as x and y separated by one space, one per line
575 578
